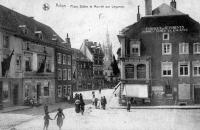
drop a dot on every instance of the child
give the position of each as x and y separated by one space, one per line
128 105
60 116
46 120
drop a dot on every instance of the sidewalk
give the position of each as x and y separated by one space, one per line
158 107
114 104
37 110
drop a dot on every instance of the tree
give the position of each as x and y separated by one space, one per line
115 67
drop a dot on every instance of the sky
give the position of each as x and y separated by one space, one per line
90 22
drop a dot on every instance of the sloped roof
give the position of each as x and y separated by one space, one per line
10 20
162 21
92 47
165 9
78 55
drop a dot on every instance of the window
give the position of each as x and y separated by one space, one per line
166 48
59 74
69 90
184 69
69 74
48 66
59 58
167 69
59 91
183 48
18 62
64 91
28 63
141 71
69 60
196 48
129 71
46 88
196 68
165 36
135 49
64 74
64 59
5 41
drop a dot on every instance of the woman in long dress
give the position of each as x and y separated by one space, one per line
60 116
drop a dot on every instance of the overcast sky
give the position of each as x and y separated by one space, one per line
92 23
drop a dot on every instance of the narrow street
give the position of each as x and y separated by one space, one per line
112 119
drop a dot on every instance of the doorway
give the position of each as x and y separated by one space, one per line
197 94
15 94
38 92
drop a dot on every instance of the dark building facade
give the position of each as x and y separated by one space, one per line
63 65
28 59
82 71
93 51
160 58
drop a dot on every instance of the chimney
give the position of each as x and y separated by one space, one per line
138 14
148 7
67 39
173 4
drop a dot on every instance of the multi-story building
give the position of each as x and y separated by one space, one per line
93 51
82 71
160 57
63 67
27 55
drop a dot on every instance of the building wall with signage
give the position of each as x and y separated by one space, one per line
172 46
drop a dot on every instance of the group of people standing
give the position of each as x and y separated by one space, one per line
99 103
59 115
79 103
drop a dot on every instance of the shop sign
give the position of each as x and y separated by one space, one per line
165 29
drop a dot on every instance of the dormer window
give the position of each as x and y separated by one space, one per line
54 38
23 29
38 34
135 48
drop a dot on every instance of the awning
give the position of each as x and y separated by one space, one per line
117 88
136 90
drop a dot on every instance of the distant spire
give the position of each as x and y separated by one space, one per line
173 4
138 14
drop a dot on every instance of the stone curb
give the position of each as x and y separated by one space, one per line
156 107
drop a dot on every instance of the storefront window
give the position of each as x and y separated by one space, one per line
5 92
69 90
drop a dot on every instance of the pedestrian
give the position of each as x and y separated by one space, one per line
46 120
99 90
46 108
95 102
77 106
76 96
102 102
60 116
99 103
80 96
105 102
82 106
128 105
